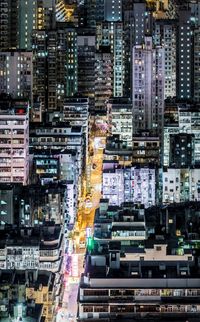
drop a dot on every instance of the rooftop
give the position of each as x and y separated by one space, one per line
146 270
38 236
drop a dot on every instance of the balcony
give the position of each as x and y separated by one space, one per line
18 145
5 164
5 174
50 257
5 154
5 145
5 136
50 266
19 164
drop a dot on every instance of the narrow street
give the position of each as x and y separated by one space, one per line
85 219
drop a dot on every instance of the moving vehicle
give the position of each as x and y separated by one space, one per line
88 203
82 244
94 166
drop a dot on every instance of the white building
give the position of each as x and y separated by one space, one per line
148 86
16 73
14 142
129 184
179 185
113 186
120 118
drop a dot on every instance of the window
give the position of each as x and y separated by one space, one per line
158 248
87 309
101 309
95 293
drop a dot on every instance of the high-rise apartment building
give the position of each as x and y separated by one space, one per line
139 24
134 25
196 65
184 55
111 34
59 136
16 74
118 53
86 64
67 69
165 36
14 141
148 87
76 112
103 78
18 18
113 10
49 12
54 65
103 10
8 30
28 16
127 23
45 14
